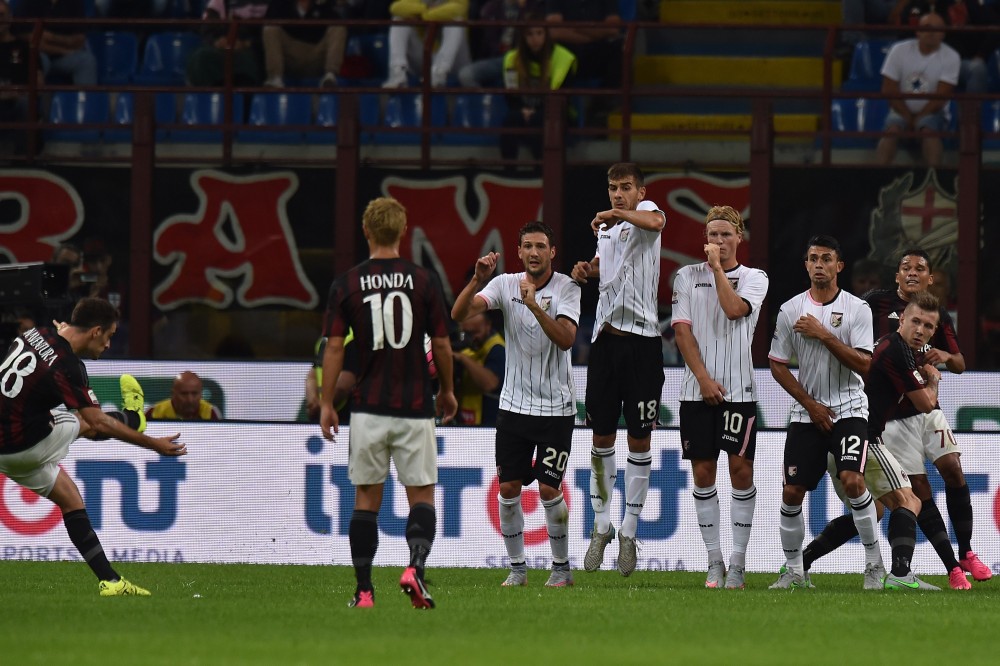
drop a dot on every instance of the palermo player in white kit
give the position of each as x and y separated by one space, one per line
829 331
541 310
716 304
625 374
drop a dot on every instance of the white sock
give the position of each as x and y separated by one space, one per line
557 523
512 527
866 520
603 475
637 469
741 512
793 531
706 507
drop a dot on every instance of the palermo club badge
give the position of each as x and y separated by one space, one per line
836 319
546 303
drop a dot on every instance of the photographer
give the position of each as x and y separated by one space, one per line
479 356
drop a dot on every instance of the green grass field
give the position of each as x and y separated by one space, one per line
255 614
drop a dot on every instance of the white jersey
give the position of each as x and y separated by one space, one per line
630 278
724 345
826 379
538 376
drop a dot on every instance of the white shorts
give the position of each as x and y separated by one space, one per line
883 474
920 437
37 468
376 438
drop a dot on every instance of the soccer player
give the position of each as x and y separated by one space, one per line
715 308
895 384
541 309
625 373
41 371
389 303
829 331
914 436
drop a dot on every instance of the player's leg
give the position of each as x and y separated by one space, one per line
699 437
603 403
513 460
848 442
803 467
902 540
550 465
367 468
942 449
641 371
739 440
414 450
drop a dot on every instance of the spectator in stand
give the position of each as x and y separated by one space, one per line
14 57
304 50
494 41
207 65
866 274
406 46
536 63
63 49
185 402
918 67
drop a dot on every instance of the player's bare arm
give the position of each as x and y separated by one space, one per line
583 270
734 306
333 364
954 362
100 423
650 220
466 305
857 360
560 331
445 405
821 415
711 391
926 398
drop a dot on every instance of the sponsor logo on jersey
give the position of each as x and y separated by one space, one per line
702 284
836 319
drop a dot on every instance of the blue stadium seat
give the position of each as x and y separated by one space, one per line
866 65
117 56
278 109
165 59
857 115
477 111
205 108
326 116
628 9
990 118
164 112
406 110
76 108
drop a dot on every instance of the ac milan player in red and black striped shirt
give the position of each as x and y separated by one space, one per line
390 304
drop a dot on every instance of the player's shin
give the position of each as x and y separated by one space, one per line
557 524
792 533
512 527
960 512
706 505
637 470
902 540
603 475
363 535
741 510
420 530
932 525
866 520
82 534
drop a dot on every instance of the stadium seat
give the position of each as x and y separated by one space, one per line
406 110
123 115
857 115
628 9
76 108
205 109
165 59
117 56
278 109
866 65
326 116
477 111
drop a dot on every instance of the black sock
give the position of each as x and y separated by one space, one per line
363 535
82 534
420 529
932 525
131 419
902 539
836 533
960 513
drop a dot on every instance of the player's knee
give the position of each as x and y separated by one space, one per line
793 495
951 470
511 489
548 493
854 484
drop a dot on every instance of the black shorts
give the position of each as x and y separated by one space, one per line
706 430
624 378
533 447
806 447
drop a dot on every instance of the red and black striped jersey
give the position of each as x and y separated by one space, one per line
893 373
39 372
390 304
887 308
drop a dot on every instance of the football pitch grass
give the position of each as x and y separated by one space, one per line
256 614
